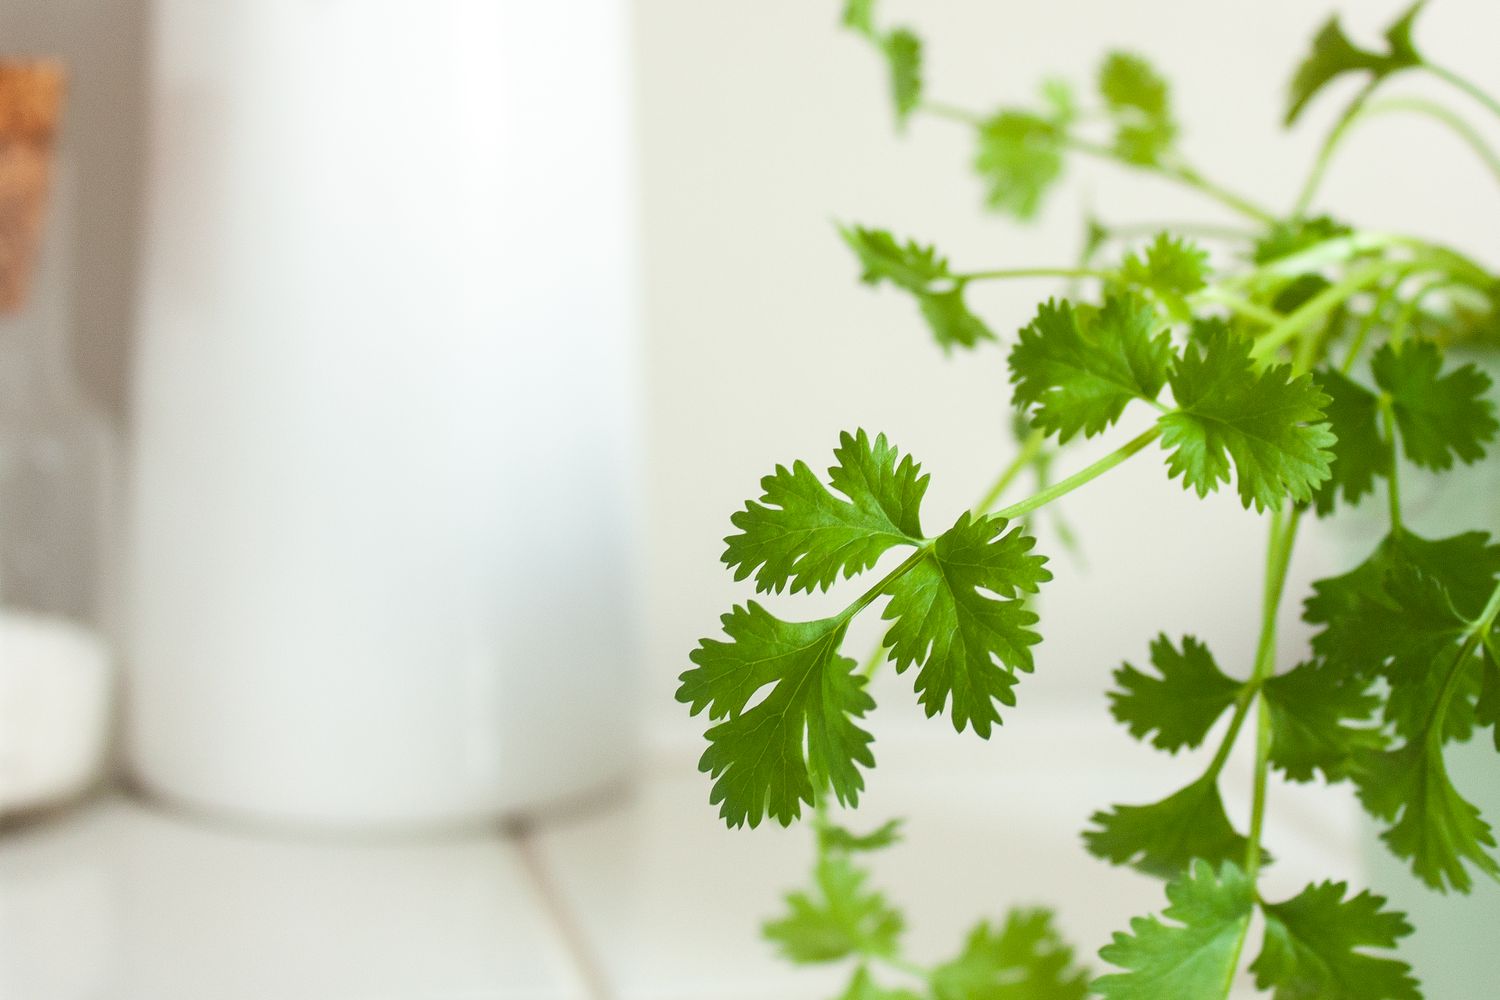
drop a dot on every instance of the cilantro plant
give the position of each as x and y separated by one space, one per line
1305 375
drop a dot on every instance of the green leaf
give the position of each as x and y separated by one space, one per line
1439 417
1020 158
1360 454
1435 828
1179 706
859 16
802 533
1025 959
1285 238
1310 711
840 917
903 53
1355 637
765 758
1078 369
920 270
1398 613
1333 55
1193 958
1314 948
960 616
949 318
864 987
1137 99
1267 422
835 838
1163 838
1170 269
1487 708
908 265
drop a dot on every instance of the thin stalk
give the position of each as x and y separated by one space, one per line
907 565
1238 304
1330 143
1367 325
952 112
1278 559
1180 173
1388 423
1030 448
1197 181
1077 479
1320 305
1465 85
1446 116
1032 272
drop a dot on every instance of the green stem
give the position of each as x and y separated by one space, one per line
952 112
1446 116
1197 181
1238 304
1180 173
1388 422
1030 448
907 565
1367 325
1320 305
1278 559
1325 152
1077 479
1465 85
1032 272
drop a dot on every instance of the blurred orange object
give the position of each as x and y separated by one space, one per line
31 98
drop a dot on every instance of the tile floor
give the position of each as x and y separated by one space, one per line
643 898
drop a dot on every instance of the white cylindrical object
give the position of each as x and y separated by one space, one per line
383 525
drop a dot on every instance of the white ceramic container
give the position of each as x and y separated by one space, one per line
381 567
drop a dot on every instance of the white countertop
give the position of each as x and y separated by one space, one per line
646 898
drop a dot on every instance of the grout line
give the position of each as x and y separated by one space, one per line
575 940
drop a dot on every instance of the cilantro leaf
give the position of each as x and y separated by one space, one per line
1020 157
1310 710
1078 369
1287 237
1438 417
903 54
1360 454
859 16
1182 704
839 918
910 265
1436 829
863 987
1171 269
959 615
835 838
1164 837
1351 608
1025 959
1400 612
1313 945
1333 55
1268 422
951 321
803 534
1196 956
920 270
1137 99
1487 708
764 759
